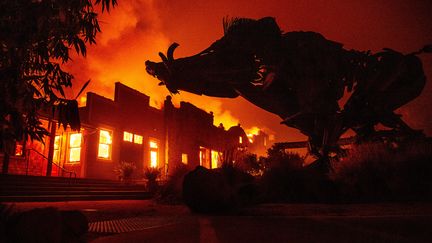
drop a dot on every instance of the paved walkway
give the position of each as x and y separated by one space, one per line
145 221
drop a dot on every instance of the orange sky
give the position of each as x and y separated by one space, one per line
136 30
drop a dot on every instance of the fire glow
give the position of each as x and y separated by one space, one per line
136 30
128 38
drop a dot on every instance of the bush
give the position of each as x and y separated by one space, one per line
250 164
125 171
151 175
171 191
384 172
286 180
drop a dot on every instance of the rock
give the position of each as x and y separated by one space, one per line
74 226
46 225
225 189
37 225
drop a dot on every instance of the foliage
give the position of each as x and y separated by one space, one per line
287 180
381 172
125 170
151 175
35 39
171 191
250 164
278 157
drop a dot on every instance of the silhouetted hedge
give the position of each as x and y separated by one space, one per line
385 172
171 191
286 180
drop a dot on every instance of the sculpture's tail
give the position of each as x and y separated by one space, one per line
425 49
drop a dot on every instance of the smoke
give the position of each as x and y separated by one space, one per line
128 38
131 34
136 30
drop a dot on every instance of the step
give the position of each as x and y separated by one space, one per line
6 178
69 188
19 188
66 197
64 192
71 184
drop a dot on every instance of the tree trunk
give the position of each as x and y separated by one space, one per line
51 148
5 167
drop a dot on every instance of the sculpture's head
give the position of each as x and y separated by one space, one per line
226 64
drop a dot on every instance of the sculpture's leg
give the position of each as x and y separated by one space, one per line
394 121
364 133
322 162
327 132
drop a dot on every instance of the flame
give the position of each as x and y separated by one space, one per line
131 34
136 30
82 101
253 131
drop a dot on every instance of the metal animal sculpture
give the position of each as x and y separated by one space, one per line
300 76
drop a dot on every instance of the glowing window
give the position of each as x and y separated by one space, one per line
19 149
154 153
75 147
215 159
204 156
57 146
138 139
105 142
127 136
153 159
153 144
184 159
240 140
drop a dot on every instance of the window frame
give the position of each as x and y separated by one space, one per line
131 137
59 149
153 149
110 145
69 147
141 138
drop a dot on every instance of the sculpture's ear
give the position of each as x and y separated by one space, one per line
269 26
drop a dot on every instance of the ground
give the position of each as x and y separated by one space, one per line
146 221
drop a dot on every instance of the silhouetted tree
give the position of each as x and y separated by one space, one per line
35 39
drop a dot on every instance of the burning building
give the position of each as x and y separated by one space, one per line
128 129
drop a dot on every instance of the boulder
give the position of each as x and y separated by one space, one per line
207 191
46 225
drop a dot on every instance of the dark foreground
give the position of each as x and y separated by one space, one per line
145 221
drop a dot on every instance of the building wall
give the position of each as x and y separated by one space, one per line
176 131
190 131
128 112
30 157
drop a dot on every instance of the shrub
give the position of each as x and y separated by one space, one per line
151 175
383 172
250 164
286 180
171 191
125 170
